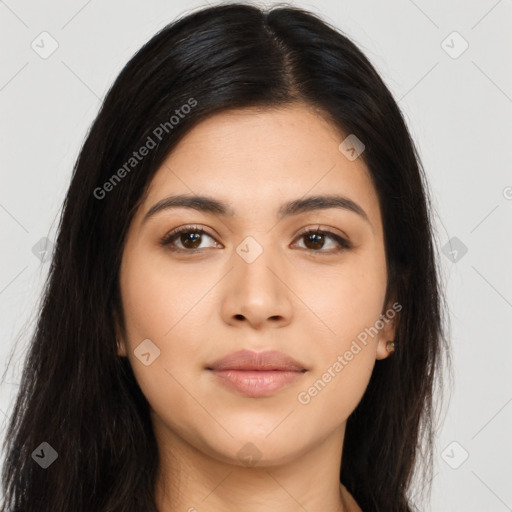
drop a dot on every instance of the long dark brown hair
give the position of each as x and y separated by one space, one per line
78 396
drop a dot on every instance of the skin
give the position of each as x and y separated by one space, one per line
309 301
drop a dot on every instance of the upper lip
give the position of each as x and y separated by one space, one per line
259 361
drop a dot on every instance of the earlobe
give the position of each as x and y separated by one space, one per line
386 344
385 348
121 351
120 345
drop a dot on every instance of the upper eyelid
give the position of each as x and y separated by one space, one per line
166 239
191 227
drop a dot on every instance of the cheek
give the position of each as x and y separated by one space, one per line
160 305
163 305
335 389
347 300
349 309
158 298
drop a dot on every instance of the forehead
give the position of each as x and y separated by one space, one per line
257 159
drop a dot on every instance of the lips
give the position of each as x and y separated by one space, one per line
264 361
257 374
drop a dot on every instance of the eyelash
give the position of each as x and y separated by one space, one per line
168 239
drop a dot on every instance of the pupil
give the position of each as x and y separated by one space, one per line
317 239
189 239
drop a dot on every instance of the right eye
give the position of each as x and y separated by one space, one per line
190 238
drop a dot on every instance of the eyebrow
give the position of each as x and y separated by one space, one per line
210 205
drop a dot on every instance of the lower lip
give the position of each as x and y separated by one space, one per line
257 383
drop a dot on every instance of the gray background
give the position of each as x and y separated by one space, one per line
457 104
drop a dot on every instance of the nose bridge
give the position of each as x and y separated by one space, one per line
255 265
256 289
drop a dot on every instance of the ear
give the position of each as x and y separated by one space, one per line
389 318
121 348
120 338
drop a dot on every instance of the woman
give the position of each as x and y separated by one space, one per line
243 307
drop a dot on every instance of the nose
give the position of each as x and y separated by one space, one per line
257 293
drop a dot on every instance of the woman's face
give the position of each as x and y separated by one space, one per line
255 281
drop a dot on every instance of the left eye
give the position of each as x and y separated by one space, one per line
316 237
190 238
